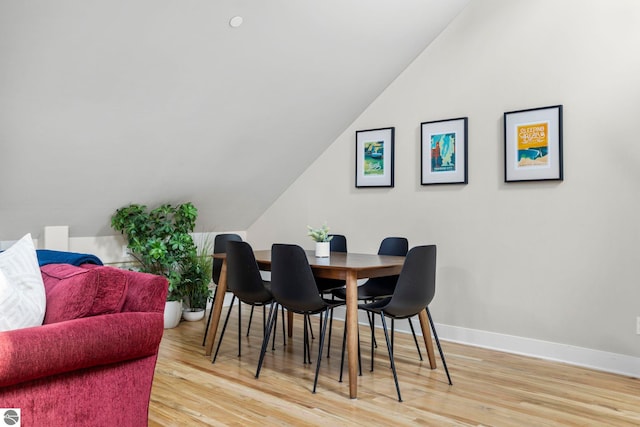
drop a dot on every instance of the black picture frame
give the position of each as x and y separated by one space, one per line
375 157
533 144
443 151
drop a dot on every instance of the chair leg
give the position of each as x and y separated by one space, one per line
308 319
393 333
435 335
415 339
344 343
372 339
224 328
265 339
251 318
372 325
305 340
323 329
275 329
284 332
390 349
330 330
240 327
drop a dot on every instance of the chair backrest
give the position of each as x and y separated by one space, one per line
338 243
397 246
292 282
243 274
220 247
394 246
416 285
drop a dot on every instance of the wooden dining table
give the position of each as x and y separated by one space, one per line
339 265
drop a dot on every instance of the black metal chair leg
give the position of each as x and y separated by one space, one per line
435 335
284 332
415 339
372 325
240 327
344 342
372 345
390 349
308 319
323 329
305 340
224 328
265 340
275 329
330 330
393 332
251 318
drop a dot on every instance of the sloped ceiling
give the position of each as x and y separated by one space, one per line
110 102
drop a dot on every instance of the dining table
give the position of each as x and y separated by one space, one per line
346 266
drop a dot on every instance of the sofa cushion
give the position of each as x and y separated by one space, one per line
22 294
74 292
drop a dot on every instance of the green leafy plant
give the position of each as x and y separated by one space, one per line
319 234
196 276
160 240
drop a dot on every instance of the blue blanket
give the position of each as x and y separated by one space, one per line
47 256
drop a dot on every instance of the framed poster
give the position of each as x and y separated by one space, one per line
533 144
443 152
374 157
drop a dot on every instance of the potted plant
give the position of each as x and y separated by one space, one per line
160 241
194 286
322 238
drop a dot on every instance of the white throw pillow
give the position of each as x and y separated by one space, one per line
22 296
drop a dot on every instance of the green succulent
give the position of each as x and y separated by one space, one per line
319 234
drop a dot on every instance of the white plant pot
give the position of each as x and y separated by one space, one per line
193 316
323 249
172 314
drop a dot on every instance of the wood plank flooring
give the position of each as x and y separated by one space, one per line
489 388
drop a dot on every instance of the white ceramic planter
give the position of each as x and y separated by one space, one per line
192 316
172 314
323 249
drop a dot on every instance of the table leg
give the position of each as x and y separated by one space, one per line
217 309
352 332
426 334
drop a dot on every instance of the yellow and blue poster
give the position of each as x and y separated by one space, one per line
533 144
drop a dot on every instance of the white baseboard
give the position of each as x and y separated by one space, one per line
579 356
573 355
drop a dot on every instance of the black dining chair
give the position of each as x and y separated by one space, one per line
294 288
383 287
219 247
413 293
380 287
338 243
246 284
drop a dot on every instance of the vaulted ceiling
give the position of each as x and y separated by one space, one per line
109 102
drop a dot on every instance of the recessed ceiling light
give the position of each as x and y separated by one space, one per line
236 21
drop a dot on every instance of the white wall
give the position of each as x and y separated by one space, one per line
551 261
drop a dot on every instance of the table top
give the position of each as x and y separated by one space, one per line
338 264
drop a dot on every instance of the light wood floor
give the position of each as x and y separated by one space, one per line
489 388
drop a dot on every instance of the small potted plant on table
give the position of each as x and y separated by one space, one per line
322 238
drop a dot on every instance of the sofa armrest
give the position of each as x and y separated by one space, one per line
31 353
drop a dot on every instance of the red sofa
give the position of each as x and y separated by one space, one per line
92 361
